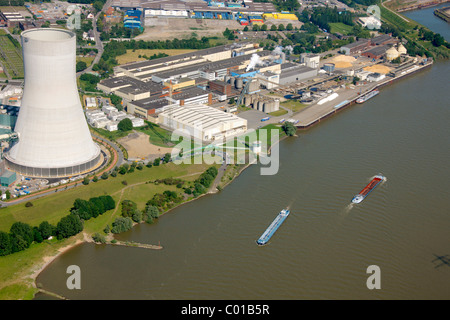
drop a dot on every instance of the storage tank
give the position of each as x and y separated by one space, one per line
328 67
232 81
55 140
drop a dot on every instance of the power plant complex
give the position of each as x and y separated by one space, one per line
53 137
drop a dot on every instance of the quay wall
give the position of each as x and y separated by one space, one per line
383 83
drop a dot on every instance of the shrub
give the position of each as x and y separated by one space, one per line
121 224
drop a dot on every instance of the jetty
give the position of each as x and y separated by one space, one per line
443 13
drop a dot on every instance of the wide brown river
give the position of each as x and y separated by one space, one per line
323 249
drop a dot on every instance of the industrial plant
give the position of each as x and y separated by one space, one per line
211 77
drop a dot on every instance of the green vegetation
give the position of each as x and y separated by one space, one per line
88 82
125 125
293 105
322 16
15 269
11 56
289 129
420 40
339 27
278 113
21 235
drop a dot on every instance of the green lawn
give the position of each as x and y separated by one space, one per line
278 113
293 105
340 28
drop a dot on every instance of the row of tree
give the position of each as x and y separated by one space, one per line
21 235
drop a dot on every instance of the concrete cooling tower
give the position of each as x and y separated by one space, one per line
54 138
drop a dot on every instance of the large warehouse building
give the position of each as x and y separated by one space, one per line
202 122
54 139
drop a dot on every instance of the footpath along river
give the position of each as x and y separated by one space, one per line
323 249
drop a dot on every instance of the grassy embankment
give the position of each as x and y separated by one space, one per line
16 270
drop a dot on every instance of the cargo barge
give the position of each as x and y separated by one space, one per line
365 192
367 96
276 223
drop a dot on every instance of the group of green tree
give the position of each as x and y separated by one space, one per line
89 82
322 16
131 214
21 235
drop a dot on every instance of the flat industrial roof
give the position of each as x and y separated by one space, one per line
200 115
199 53
158 102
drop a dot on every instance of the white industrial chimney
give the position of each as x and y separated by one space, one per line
54 139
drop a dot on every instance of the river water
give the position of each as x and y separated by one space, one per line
323 249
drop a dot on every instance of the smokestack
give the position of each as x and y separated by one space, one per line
54 139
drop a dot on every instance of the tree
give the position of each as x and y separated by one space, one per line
5 244
150 213
81 65
121 224
24 231
281 27
264 27
69 226
156 162
167 158
46 229
273 28
288 128
86 181
128 208
289 27
125 125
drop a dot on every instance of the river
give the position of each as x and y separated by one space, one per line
323 249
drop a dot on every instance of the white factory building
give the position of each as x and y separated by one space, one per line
202 122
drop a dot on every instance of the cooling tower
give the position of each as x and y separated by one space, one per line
54 139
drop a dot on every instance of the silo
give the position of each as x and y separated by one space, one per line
260 105
248 99
54 139
254 86
239 83
232 81
276 104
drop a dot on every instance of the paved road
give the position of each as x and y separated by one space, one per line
98 42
